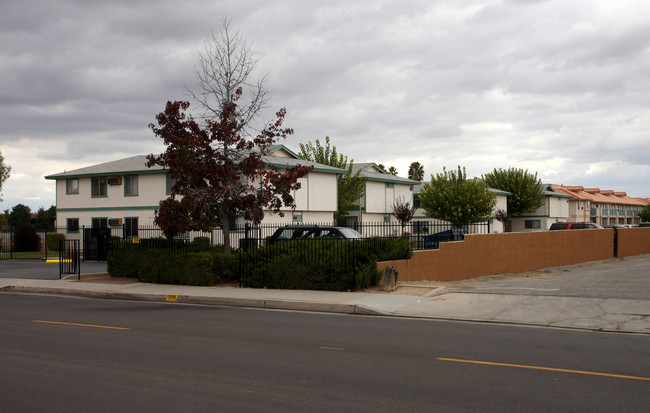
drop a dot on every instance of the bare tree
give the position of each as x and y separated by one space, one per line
218 167
225 65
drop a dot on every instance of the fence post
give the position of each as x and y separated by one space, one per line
11 242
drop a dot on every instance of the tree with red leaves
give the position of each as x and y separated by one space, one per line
403 211
219 175
218 168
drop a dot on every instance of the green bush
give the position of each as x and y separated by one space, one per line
200 244
321 264
53 240
26 239
158 265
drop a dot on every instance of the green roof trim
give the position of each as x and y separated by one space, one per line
289 151
93 175
122 208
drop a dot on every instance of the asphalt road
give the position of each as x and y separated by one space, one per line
67 354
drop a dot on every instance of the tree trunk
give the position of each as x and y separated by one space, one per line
225 225
390 279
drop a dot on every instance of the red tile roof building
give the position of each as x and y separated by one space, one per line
605 207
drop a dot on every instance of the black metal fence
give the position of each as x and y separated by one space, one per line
331 256
157 245
69 257
422 234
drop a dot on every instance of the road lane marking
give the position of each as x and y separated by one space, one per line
521 366
79 325
332 348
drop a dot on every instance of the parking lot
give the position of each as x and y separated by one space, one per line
623 278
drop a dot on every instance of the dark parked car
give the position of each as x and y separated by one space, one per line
644 224
292 232
574 225
433 241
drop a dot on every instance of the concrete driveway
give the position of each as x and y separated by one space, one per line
620 278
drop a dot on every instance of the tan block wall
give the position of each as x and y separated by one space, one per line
633 241
486 254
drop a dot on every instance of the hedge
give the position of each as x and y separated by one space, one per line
332 265
53 240
157 265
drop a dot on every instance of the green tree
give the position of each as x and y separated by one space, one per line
416 171
4 218
527 190
392 170
351 185
4 172
45 218
453 198
20 215
644 214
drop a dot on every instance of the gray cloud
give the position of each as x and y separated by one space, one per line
557 87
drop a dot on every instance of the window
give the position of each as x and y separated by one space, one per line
386 217
296 217
99 187
390 185
416 201
169 182
131 185
71 186
72 224
131 227
532 224
99 223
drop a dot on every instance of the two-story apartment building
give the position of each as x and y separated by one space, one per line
555 209
605 207
494 225
381 191
126 192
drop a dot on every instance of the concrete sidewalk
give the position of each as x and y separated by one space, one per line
601 314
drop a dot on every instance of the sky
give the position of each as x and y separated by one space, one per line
560 88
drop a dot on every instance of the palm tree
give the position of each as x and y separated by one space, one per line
416 171
392 170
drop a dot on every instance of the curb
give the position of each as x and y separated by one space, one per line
213 301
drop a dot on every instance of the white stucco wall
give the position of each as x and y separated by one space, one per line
316 200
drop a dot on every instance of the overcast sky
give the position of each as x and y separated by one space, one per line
561 88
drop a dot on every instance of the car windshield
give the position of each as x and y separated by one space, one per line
288 233
350 233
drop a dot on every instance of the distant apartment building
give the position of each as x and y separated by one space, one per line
605 207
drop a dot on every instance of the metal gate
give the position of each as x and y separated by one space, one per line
69 257
96 243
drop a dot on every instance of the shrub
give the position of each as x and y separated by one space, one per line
200 244
159 265
53 240
321 264
26 239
